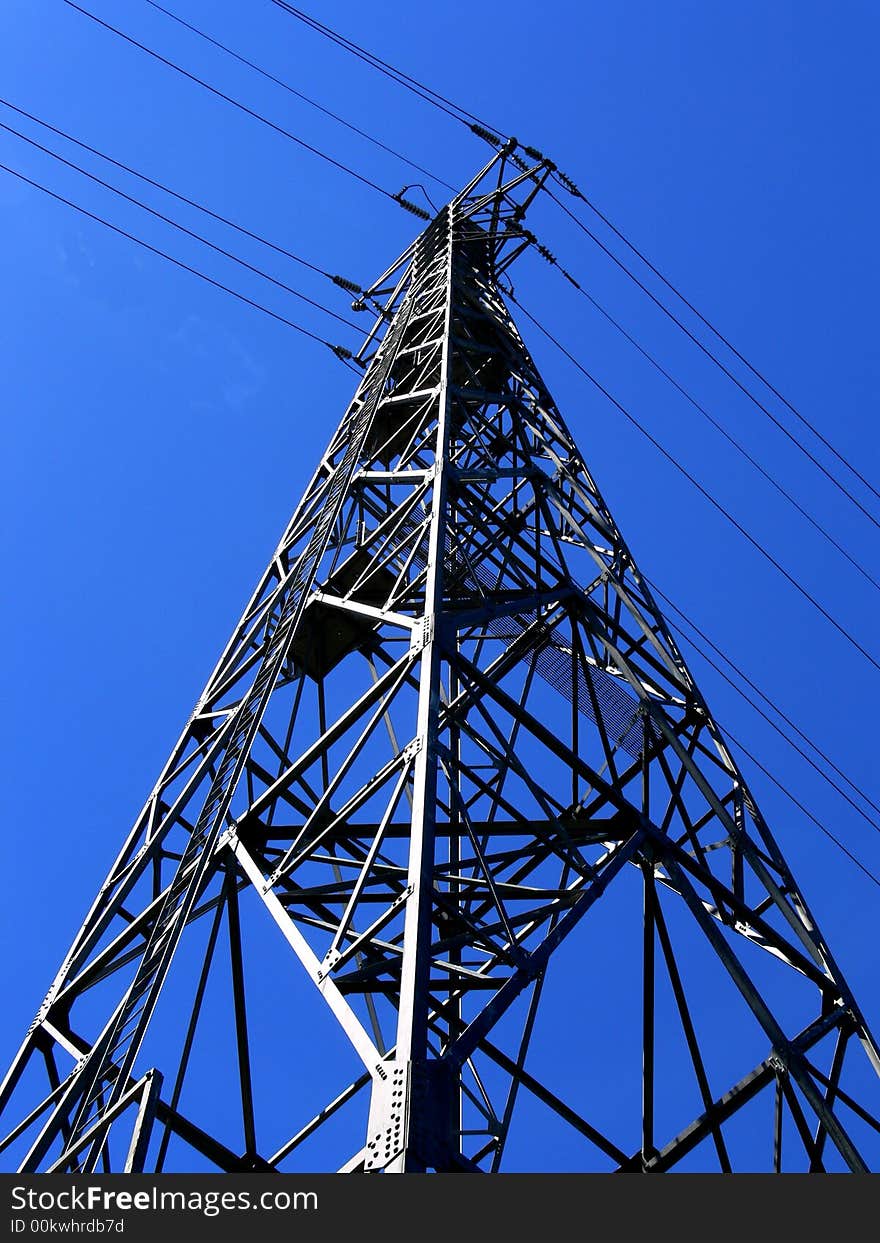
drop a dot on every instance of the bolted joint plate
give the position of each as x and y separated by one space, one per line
387 1127
422 634
413 1110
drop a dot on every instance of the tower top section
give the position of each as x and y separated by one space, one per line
494 206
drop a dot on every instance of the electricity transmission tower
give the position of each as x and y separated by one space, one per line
451 868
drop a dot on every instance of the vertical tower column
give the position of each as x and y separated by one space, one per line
411 1119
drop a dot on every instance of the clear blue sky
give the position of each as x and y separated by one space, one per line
735 143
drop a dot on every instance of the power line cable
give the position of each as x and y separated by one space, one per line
339 281
491 133
703 491
165 189
227 254
806 811
340 351
774 725
257 116
723 339
761 694
412 84
299 95
689 621
717 362
716 423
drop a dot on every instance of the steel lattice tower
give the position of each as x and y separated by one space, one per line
450 761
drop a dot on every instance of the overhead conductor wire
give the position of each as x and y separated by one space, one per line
491 133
